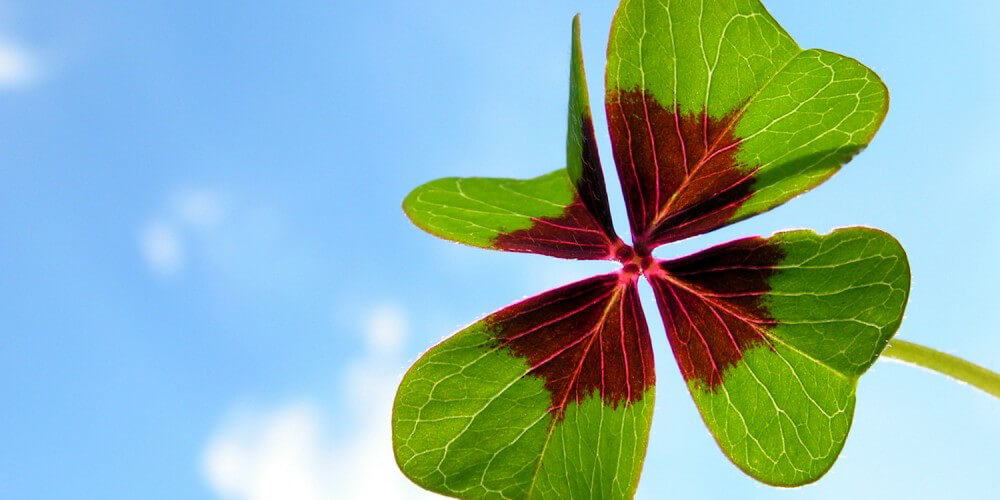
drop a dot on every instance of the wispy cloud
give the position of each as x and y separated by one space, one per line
244 247
288 453
198 208
161 247
165 236
18 67
271 456
386 328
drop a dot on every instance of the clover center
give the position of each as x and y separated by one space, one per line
633 262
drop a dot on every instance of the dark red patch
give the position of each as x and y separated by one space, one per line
586 338
585 230
591 183
576 234
712 305
678 172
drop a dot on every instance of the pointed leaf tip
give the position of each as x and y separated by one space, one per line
562 214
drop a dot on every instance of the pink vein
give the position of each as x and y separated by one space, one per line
568 228
621 327
560 351
673 325
567 242
729 332
720 269
577 290
579 366
717 210
750 321
680 139
710 153
631 156
635 319
708 350
653 150
704 127
559 318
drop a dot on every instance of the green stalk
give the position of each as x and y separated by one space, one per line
945 364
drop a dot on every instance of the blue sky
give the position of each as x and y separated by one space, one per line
209 289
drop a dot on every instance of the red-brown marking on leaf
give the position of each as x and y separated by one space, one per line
712 305
576 234
678 172
593 192
585 229
587 338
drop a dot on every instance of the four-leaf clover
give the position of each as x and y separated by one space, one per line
715 115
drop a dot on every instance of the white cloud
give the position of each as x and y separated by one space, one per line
288 453
385 328
18 68
161 247
245 248
200 209
165 236
263 457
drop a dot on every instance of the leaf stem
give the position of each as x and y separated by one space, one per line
945 364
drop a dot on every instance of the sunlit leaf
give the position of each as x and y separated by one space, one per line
716 114
563 214
550 398
772 335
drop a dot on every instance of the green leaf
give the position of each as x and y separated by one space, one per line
772 335
549 398
563 214
717 115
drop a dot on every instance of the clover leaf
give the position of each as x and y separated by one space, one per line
715 115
